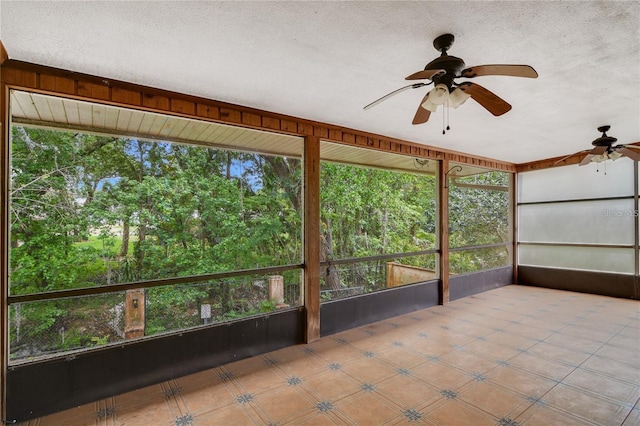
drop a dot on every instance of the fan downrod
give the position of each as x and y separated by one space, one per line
443 43
604 129
604 140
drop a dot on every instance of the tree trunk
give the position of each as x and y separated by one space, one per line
124 249
326 253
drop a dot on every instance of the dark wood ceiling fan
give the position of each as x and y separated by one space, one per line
443 71
604 148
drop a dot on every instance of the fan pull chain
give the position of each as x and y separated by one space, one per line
445 111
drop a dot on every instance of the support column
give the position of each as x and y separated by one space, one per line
513 223
636 233
4 236
443 215
312 237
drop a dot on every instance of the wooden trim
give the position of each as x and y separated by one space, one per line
54 81
554 162
443 225
4 56
4 244
312 237
548 163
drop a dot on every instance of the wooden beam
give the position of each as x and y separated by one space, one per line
443 215
4 244
43 79
312 237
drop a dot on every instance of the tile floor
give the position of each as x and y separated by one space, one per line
511 356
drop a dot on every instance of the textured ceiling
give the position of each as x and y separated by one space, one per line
324 61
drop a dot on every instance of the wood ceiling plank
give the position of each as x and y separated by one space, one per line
72 111
193 130
206 134
99 115
57 110
156 125
178 127
135 121
85 115
42 105
23 106
111 118
146 123
123 120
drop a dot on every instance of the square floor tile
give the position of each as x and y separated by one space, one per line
330 385
494 399
610 367
586 406
283 403
402 357
367 409
530 385
368 370
559 353
605 386
554 370
455 413
469 361
633 419
618 353
229 415
200 397
406 392
543 415
441 375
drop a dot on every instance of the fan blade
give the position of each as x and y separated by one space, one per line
421 75
511 70
395 92
586 160
635 156
569 156
598 150
489 100
422 114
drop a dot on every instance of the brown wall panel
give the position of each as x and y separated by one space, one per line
602 283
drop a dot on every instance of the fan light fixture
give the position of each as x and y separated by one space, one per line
615 155
458 97
440 95
604 149
599 158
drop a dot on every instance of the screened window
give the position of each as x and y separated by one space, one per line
578 217
378 225
479 219
185 222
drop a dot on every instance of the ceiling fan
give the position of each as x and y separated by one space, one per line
443 71
604 149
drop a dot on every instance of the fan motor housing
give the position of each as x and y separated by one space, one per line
451 64
604 141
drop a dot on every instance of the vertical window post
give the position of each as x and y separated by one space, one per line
311 222
4 238
443 213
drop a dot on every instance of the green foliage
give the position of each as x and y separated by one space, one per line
91 210
479 214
